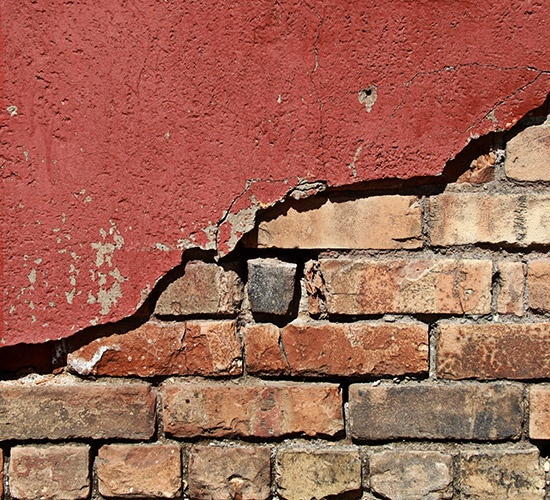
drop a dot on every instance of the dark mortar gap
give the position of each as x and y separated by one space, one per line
262 440
345 380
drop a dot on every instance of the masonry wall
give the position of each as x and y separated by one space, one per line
390 342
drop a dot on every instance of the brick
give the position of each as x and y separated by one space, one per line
207 348
411 475
428 411
49 472
536 221
304 474
230 472
263 352
1 474
271 285
139 471
513 351
512 284
481 170
266 410
528 155
511 474
538 283
360 286
204 289
393 222
539 412
65 410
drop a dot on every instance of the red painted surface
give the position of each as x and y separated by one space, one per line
130 128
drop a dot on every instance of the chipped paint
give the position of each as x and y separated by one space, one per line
86 366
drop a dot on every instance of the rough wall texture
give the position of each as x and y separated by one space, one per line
405 360
132 131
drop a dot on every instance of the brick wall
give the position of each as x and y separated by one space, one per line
385 343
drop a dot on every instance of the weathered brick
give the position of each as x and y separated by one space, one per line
67 410
263 352
229 472
528 154
394 222
358 286
511 474
428 411
512 284
493 351
208 348
266 410
1 474
539 412
49 472
204 289
481 170
411 475
271 285
538 283
142 471
536 221
304 474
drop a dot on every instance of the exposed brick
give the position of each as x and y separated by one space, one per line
359 286
511 474
204 289
1 474
229 472
512 284
263 351
304 474
53 472
539 412
458 411
481 170
146 471
536 222
514 351
538 282
409 475
271 285
528 154
394 222
208 348
266 410
67 410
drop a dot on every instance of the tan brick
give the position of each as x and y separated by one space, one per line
538 283
1 474
304 474
230 472
204 289
510 474
513 351
512 284
263 352
429 411
411 475
537 220
266 410
528 154
76 410
358 286
539 412
142 471
49 472
393 222
208 348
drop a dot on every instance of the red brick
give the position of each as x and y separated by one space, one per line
63 409
208 348
429 411
230 472
512 284
394 222
49 472
204 289
263 351
266 410
146 471
528 154
539 412
538 282
359 286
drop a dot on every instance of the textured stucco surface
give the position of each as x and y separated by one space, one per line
134 130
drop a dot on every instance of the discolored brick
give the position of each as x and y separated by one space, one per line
230 472
263 352
538 282
536 221
512 284
139 471
429 411
49 472
539 412
208 348
528 154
